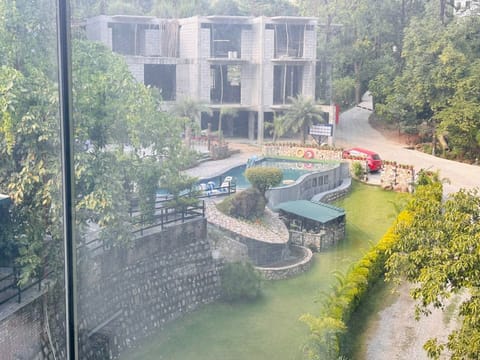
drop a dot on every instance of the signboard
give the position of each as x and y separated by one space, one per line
321 130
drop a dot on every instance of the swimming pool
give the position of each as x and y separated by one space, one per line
292 170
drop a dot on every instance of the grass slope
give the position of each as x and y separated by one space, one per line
269 328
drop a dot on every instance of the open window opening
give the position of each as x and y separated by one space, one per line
287 83
289 40
129 39
225 87
226 41
133 39
162 77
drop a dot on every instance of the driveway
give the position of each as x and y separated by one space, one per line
394 333
354 130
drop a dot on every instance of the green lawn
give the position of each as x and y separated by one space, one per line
269 328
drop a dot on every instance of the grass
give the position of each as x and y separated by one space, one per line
269 328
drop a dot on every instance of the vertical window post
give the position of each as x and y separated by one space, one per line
65 87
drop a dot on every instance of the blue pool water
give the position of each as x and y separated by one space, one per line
292 170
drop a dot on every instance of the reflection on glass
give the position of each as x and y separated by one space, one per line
31 239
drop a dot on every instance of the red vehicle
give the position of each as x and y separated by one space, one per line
373 159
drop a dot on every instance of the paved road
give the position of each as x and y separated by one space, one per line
354 130
394 334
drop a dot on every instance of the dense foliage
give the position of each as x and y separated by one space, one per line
264 178
437 94
330 325
248 204
298 118
240 282
123 144
438 250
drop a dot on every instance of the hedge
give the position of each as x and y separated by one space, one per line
325 336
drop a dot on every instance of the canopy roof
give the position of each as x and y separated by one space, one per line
316 211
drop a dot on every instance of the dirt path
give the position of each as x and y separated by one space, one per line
395 334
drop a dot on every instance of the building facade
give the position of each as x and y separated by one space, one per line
251 64
467 7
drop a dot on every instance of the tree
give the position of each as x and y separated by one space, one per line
189 111
267 8
264 178
431 91
118 132
301 114
225 114
438 251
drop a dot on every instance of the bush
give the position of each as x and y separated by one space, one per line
240 281
248 204
264 178
357 170
347 295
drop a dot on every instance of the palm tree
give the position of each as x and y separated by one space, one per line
299 117
190 111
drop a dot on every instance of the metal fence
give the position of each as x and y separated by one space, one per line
10 287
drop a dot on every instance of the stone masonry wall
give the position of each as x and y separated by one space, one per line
21 333
225 248
260 253
127 294
285 272
124 294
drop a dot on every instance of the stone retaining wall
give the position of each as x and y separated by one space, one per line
285 272
335 194
127 294
225 248
260 253
23 326
21 333
124 295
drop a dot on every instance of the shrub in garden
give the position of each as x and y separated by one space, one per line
264 178
357 170
328 329
240 281
248 204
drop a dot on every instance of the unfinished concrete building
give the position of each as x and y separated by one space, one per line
251 64
466 7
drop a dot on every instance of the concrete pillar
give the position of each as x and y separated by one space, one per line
260 127
251 125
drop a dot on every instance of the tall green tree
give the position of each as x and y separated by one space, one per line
438 251
438 63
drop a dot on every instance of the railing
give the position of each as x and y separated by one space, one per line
168 215
12 289
164 215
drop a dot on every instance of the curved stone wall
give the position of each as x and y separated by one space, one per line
284 272
309 185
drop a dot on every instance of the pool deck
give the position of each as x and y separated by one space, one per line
209 169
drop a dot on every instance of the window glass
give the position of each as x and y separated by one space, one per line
32 300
